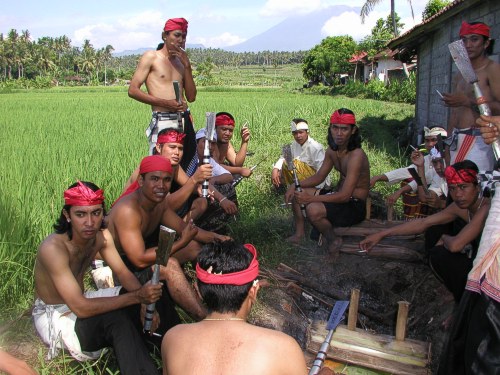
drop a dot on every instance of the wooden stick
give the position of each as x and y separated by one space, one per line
390 212
368 208
402 320
352 318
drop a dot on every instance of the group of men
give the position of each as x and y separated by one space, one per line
85 322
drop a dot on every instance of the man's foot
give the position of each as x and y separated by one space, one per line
296 239
334 245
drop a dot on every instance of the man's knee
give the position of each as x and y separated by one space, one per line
315 212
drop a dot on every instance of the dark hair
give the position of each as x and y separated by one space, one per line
464 165
354 140
488 50
62 225
297 120
225 257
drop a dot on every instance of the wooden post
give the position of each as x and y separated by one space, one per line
401 320
390 212
352 318
368 208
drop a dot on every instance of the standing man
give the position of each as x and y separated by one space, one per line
308 156
466 141
346 206
226 344
158 70
81 322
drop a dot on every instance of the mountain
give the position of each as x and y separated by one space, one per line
140 51
296 33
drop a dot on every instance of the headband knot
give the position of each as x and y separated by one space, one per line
234 278
82 195
342 119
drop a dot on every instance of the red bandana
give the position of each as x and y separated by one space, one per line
171 136
480 29
155 163
82 195
345 119
224 120
236 278
176 24
462 176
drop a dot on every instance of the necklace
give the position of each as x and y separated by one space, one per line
221 319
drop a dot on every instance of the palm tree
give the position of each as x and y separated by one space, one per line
370 4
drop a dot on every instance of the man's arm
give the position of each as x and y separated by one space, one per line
190 90
242 152
188 185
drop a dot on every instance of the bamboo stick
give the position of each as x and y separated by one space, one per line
352 318
402 320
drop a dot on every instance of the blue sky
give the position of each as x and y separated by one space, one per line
132 24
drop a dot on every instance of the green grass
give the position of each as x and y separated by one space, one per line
51 138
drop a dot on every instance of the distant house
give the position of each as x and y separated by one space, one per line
429 40
383 66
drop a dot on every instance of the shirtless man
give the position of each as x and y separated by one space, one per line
158 70
346 206
134 222
224 126
226 344
451 258
466 138
86 322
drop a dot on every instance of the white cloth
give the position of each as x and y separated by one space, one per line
480 153
56 326
311 152
438 184
400 174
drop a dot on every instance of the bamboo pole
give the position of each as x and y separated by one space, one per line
402 320
353 310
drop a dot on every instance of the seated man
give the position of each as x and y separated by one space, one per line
134 223
227 282
225 153
223 203
81 322
451 258
346 206
413 208
308 157
437 190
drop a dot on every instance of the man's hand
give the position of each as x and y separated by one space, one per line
149 293
203 172
301 197
391 199
156 319
290 193
245 134
456 100
490 133
374 180
417 158
370 241
228 206
433 200
276 177
246 172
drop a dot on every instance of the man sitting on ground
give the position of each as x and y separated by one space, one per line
227 282
81 322
347 205
451 258
225 153
308 156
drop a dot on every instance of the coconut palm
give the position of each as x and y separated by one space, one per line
370 4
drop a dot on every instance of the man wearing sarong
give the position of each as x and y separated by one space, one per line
83 323
465 138
308 156
345 206
452 256
159 70
224 343
474 341
413 207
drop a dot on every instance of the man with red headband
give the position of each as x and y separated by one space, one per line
226 344
465 138
159 70
225 153
452 256
345 206
85 322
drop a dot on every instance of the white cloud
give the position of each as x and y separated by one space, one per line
349 23
223 40
282 8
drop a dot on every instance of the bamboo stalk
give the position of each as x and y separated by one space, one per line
402 320
352 318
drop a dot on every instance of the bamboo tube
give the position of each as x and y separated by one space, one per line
401 320
353 310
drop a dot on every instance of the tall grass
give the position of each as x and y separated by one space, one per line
52 138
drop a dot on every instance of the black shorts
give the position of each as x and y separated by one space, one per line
346 214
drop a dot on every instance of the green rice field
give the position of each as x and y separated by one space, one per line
51 138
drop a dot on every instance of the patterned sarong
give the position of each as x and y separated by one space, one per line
302 170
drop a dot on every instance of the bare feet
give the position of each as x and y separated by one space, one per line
296 239
334 245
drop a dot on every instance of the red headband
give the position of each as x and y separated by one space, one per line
82 195
344 119
171 136
176 24
236 278
224 120
478 28
461 176
155 163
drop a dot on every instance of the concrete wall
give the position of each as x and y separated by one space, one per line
436 68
